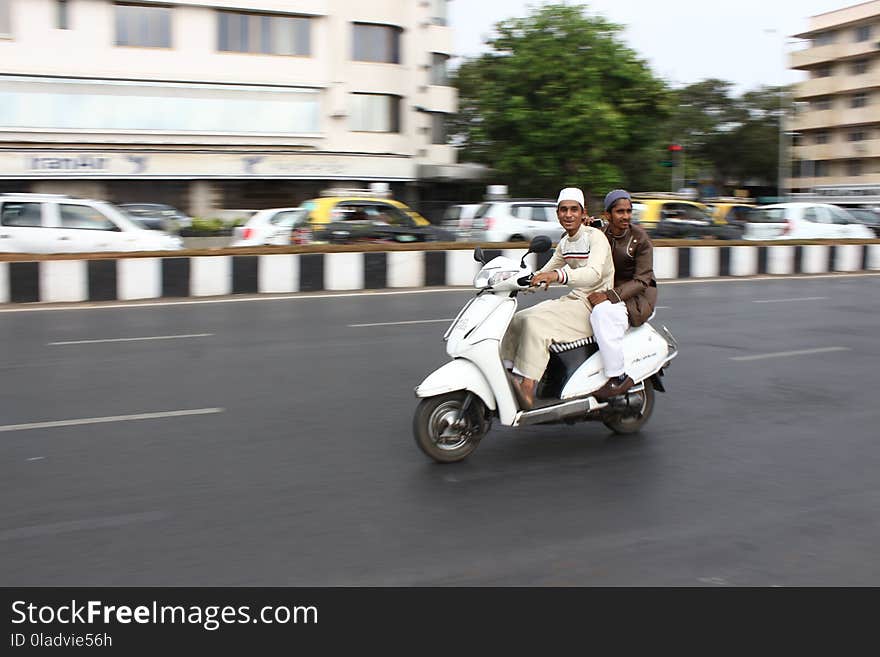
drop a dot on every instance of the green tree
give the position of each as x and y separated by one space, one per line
754 143
560 100
732 140
703 111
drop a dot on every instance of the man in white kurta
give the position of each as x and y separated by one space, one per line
582 261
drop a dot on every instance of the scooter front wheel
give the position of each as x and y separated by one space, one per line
444 432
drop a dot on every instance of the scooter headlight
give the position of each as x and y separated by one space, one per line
491 279
495 279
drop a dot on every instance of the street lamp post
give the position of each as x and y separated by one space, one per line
781 189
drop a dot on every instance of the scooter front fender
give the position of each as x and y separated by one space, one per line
458 374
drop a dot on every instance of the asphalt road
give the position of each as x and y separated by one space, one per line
298 468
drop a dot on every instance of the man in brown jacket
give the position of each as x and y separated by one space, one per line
631 301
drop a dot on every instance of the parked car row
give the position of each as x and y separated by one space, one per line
340 218
672 216
50 223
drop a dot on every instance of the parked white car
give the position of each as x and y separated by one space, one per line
54 223
458 220
803 221
278 226
516 220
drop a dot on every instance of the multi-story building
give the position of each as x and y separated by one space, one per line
836 128
209 104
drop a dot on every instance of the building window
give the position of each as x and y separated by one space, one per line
859 100
5 23
439 128
439 15
375 113
822 72
823 39
63 19
439 70
146 27
376 43
820 168
128 105
854 168
859 67
264 33
823 137
856 135
863 32
821 104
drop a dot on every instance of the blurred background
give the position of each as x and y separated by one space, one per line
194 115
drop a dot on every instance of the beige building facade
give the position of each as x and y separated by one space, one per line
835 150
210 104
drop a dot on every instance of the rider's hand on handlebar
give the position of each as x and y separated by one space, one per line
544 279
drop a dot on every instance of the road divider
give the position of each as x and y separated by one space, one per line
51 279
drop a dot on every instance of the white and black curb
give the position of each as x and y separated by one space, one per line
52 281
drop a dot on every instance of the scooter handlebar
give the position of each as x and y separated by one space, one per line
525 281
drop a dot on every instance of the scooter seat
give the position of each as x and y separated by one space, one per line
560 347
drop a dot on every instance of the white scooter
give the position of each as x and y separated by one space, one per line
459 400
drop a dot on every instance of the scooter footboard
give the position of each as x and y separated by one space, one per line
458 374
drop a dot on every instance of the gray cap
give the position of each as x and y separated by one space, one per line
614 196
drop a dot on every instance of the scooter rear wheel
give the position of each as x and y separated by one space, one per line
441 435
633 422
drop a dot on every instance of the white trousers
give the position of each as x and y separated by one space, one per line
610 321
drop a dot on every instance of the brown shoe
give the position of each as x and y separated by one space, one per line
613 387
525 391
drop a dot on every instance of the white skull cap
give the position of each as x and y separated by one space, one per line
571 194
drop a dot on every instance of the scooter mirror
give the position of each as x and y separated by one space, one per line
478 255
540 244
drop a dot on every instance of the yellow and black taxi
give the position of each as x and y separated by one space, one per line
342 216
730 210
676 216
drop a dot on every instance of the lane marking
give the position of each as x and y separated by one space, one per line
782 354
152 337
36 458
110 418
36 307
414 321
51 529
786 300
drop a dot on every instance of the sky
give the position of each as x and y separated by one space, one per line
684 41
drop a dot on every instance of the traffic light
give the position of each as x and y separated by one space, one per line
674 147
666 163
